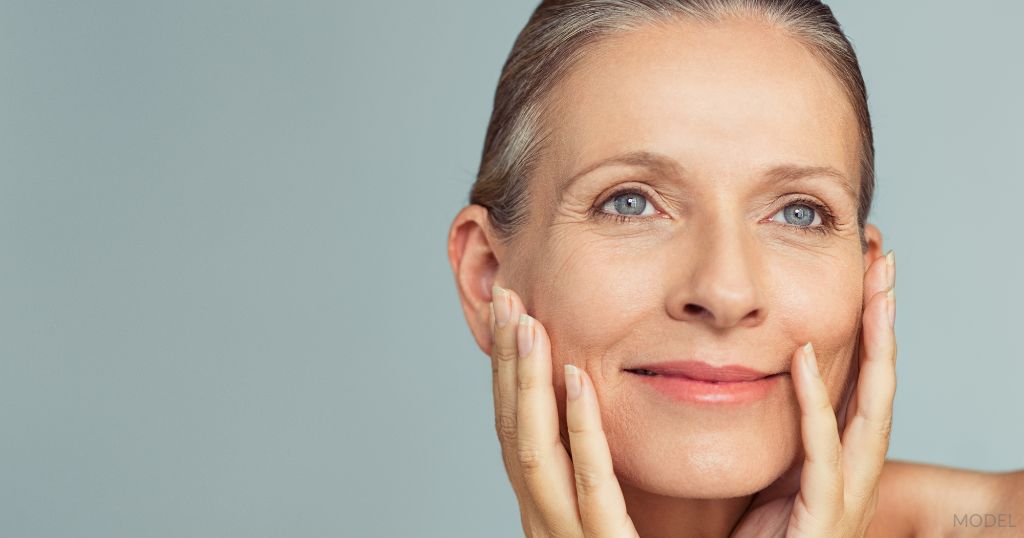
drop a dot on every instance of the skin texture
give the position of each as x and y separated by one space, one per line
724 278
832 496
712 271
713 281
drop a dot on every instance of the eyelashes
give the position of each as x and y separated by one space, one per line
828 220
829 223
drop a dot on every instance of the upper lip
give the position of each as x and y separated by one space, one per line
703 371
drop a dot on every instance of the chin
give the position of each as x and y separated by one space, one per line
694 450
702 456
702 472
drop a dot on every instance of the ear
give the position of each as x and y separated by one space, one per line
473 254
873 236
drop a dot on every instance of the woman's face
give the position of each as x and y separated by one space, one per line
723 264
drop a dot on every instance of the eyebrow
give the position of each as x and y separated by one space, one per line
779 174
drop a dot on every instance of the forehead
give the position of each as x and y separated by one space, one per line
724 99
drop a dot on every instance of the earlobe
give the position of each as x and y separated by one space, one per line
474 263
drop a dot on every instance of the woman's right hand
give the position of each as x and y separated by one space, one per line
558 495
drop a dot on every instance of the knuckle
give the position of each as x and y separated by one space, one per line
556 530
504 352
577 428
884 428
506 427
529 458
587 478
507 461
526 383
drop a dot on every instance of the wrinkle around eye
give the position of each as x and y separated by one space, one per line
571 211
578 222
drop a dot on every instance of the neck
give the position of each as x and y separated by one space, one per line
658 516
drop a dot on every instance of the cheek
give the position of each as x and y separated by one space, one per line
824 307
591 294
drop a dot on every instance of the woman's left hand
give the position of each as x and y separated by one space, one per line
834 491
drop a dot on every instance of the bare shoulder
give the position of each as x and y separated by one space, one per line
924 500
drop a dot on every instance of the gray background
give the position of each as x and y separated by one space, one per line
225 304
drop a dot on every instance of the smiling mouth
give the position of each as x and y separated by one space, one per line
702 386
651 373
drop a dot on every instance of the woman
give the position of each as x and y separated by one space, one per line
672 206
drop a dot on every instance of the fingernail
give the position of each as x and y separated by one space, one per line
890 303
502 305
810 359
890 267
524 335
572 382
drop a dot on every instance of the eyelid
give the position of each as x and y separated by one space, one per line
791 198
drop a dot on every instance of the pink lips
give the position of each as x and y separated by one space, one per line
696 381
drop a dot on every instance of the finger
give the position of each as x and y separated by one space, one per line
503 363
866 440
880 276
601 504
848 403
544 464
821 482
877 276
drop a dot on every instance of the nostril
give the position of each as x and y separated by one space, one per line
694 309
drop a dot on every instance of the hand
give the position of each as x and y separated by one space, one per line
558 496
838 483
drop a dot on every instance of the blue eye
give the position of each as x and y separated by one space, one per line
800 215
627 204
807 216
803 215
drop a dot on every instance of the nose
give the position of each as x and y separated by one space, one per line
720 283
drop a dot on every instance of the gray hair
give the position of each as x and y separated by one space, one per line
558 35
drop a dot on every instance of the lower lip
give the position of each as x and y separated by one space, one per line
684 389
